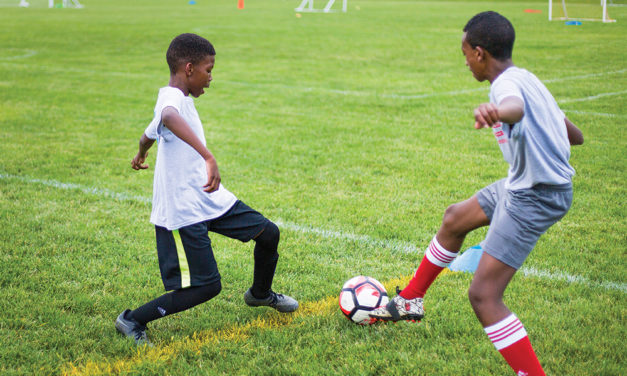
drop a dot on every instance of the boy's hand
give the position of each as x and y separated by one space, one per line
511 110
144 144
138 162
213 176
486 115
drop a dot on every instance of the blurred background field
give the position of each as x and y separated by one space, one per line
353 131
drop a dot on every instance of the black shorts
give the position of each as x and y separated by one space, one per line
185 255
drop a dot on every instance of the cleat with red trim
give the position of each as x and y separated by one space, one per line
400 308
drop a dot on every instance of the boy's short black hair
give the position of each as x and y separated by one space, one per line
188 48
493 32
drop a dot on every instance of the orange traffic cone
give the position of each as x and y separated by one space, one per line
240 4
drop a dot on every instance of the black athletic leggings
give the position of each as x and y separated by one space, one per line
175 301
266 258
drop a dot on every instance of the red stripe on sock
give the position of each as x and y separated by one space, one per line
437 254
504 332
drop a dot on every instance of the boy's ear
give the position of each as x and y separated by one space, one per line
480 53
189 69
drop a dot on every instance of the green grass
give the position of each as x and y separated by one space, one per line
319 123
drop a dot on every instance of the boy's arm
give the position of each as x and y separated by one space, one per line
575 136
511 110
175 123
144 144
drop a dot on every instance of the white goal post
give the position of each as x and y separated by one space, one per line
604 18
66 4
308 6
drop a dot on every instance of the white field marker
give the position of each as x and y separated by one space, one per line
398 246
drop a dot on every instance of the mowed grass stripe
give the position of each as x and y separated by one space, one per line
392 245
283 86
239 332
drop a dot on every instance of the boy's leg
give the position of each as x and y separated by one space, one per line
175 301
503 328
459 219
266 258
518 221
244 223
133 323
187 267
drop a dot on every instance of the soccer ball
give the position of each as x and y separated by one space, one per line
360 296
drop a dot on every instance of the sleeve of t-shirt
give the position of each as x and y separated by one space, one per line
152 130
168 97
506 88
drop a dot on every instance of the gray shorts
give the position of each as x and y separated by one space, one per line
519 217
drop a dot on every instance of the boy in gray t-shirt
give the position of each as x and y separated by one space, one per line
535 138
189 201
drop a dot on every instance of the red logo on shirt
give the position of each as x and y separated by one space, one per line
499 134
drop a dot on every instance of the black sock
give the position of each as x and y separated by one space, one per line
266 258
175 301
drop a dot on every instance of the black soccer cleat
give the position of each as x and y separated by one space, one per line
280 302
132 328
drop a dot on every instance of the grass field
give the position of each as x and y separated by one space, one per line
353 131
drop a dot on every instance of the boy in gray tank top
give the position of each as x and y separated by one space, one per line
535 138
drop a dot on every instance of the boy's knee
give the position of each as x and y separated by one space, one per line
483 296
212 290
216 289
452 219
270 235
475 296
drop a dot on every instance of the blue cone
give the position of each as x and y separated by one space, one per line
467 261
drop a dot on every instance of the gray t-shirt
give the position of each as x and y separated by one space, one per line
178 198
536 148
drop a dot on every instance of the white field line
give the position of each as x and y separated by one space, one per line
393 245
88 190
592 97
601 114
356 93
583 76
608 285
23 54
413 96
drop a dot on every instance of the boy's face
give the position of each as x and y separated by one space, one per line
200 75
475 59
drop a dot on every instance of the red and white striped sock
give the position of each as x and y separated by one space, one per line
435 260
510 339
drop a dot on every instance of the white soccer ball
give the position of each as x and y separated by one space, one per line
360 296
